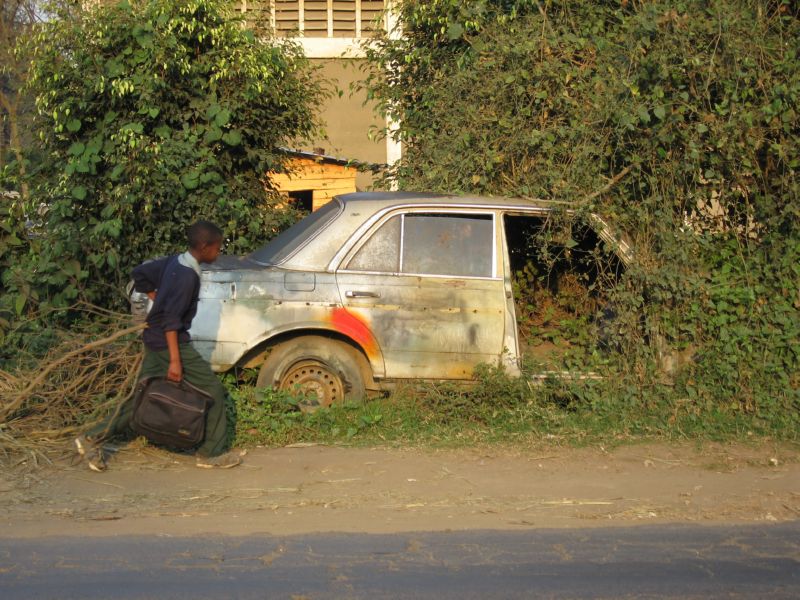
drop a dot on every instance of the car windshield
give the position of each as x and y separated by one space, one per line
286 243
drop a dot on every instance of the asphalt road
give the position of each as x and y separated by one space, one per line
634 562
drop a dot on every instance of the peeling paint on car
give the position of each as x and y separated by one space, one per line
355 328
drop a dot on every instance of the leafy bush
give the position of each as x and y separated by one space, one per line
678 120
153 114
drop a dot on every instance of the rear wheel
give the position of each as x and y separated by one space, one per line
323 371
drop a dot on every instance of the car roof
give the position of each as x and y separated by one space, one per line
380 200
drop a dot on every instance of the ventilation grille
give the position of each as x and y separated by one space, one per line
257 14
371 17
287 17
314 18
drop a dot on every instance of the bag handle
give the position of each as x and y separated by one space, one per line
189 387
182 384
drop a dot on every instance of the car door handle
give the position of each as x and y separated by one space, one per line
358 294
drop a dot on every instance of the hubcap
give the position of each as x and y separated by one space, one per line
316 382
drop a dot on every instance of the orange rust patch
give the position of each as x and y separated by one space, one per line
350 325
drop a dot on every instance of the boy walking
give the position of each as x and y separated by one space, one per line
173 284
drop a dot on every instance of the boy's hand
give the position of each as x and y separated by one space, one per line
175 371
152 296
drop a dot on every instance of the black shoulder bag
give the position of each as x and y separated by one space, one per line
169 413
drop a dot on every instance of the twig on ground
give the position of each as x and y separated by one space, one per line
41 377
44 401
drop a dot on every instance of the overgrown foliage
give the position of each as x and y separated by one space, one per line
152 114
678 120
87 372
498 409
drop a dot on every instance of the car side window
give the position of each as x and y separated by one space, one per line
429 244
447 244
381 252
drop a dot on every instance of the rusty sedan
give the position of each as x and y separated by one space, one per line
373 289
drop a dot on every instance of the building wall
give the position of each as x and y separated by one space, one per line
331 34
351 126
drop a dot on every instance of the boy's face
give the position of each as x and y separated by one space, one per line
210 252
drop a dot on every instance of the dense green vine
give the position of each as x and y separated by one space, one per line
678 120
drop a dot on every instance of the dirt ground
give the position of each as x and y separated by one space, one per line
308 489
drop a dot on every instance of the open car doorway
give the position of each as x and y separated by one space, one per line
563 274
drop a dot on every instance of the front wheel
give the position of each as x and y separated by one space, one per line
322 370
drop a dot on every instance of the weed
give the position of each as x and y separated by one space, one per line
500 409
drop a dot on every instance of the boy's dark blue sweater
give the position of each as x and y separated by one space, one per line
177 288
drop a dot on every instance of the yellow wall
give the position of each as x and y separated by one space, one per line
326 180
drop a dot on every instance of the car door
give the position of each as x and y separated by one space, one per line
426 284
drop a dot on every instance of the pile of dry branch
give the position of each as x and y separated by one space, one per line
87 372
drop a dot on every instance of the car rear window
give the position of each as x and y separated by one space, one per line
294 238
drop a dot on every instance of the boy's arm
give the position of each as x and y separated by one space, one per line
175 371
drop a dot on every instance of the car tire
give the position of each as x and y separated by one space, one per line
324 371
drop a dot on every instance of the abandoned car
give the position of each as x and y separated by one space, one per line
377 288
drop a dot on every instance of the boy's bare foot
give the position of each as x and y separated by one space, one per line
91 452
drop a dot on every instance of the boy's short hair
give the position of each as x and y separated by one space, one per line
203 233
